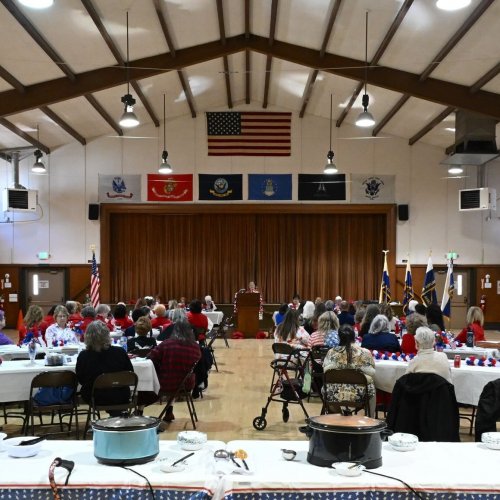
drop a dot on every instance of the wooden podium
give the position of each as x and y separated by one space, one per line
248 305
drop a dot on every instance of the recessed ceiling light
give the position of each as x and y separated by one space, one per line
452 4
37 4
455 170
450 129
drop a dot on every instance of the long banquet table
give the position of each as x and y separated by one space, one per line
16 376
467 380
436 470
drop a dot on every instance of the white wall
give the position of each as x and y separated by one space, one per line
64 230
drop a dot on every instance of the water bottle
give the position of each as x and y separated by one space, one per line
470 339
123 343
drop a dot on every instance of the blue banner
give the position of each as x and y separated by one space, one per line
220 187
269 187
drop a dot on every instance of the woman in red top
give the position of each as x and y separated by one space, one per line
198 320
33 326
161 320
48 319
413 322
475 321
121 318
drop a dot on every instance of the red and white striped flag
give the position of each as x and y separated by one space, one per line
94 283
248 133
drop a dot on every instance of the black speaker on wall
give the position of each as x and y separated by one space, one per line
403 212
93 211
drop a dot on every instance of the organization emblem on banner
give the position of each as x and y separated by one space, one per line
119 188
373 186
221 188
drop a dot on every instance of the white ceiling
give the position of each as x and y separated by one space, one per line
68 28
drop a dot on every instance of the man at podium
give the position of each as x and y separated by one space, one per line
252 288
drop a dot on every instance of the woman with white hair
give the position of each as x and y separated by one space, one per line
208 304
380 337
427 359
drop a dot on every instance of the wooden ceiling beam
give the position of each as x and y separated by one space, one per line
180 74
427 128
38 38
269 59
385 120
31 140
65 126
492 73
12 80
378 54
93 101
222 34
248 59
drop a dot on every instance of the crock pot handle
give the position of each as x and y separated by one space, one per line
306 430
385 433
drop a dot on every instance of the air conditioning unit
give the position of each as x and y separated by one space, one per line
477 199
20 200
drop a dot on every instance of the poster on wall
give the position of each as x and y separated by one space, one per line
322 187
170 187
269 187
372 188
119 188
222 187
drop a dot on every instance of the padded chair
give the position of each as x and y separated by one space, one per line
182 392
109 382
211 349
488 409
223 328
424 404
316 358
53 380
348 376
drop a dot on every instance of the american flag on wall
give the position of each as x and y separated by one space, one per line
232 133
94 283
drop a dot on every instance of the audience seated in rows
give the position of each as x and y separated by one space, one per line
59 332
33 326
48 319
379 337
290 331
4 340
88 315
198 320
161 319
414 321
326 334
371 311
345 318
136 314
434 317
475 321
74 315
121 318
177 315
142 340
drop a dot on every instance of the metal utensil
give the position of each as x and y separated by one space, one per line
231 456
182 459
28 442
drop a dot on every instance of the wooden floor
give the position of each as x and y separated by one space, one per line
235 396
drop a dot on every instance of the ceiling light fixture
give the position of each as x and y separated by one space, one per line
330 167
365 118
37 4
38 167
452 4
165 167
128 119
455 170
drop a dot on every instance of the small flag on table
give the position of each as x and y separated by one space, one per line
449 288
408 290
385 285
429 289
94 283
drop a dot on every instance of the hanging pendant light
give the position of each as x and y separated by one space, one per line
165 167
128 119
452 4
365 118
330 167
37 4
38 167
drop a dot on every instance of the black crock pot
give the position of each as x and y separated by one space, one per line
339 438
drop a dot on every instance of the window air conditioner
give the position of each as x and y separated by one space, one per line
20 200
477 199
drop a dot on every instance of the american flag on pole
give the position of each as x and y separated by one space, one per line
94 283
232 133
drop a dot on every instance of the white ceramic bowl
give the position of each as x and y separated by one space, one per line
348 468
165 467
491 440
13 450
191 440
401 441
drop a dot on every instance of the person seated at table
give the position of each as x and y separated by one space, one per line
142 328
103 313
379 337
48 319
387 311
475 322
434 317
173 359
327 332
101 357
358 318
371 311
345 318
73 309
59 332
279 316
121 318
182 303
290 331
161 319
209 304
414 321
177 315
307 312
295 303
88 315
349 355
427 359
198 320
33 326
136 314
4 340
172 305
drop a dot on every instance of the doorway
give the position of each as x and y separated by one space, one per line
44 287
460 300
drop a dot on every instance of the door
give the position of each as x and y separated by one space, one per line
44 287
460 300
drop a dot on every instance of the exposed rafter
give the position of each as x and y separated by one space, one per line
93 101
248 60
424 130
119 59
385 120
171 47
11 80
269 59
31 140
492 73
65 126
314 74
378 54
222 33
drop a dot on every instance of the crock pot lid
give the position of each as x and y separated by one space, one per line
125 423
346 423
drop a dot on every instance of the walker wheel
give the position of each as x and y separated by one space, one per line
286 414
259 423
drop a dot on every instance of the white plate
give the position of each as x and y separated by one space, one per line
168 467
348 468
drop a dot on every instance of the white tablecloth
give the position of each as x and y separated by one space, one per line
215 316
472 351
16 377
447 469
7 352
467 380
